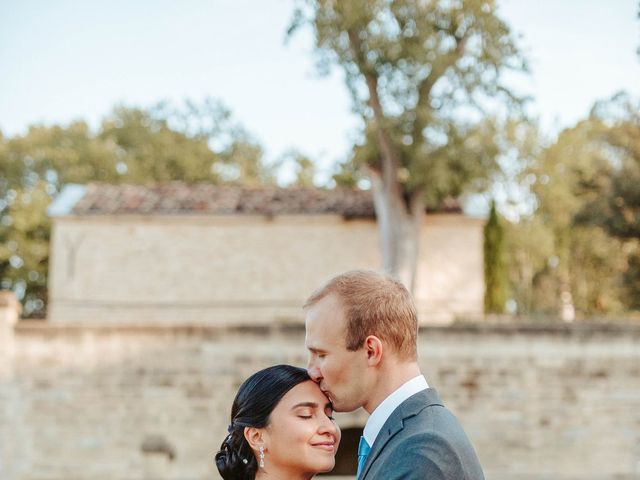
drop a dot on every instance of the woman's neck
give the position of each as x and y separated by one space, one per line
275 474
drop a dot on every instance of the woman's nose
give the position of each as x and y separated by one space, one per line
328 426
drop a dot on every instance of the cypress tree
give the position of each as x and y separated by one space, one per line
495 295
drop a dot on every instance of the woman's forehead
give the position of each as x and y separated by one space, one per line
305 394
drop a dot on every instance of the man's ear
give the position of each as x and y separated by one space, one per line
255 437
373 346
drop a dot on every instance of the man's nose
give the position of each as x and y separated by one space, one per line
313 371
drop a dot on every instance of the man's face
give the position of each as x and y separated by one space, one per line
341 374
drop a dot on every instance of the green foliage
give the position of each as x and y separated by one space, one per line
421 74
614 190
24 245
348 175
193 143
495 296
529 247
597 266
303 168
144 149
632 280
584 233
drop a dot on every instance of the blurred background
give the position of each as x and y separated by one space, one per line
176 178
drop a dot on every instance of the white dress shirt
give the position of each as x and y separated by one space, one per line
385 409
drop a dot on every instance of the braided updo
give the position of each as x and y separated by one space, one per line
254 402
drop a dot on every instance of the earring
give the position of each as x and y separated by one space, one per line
261 457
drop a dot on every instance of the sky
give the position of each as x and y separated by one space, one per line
63 60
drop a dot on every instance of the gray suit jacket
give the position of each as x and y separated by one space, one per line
422 440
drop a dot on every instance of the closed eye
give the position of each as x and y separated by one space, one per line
328 411
317 353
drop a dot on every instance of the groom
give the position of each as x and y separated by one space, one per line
361 331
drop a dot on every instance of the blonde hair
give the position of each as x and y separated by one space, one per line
375 304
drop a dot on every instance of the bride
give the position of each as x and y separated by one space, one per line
281 428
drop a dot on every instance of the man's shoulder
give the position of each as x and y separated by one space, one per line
427 453
423 410
429 442
426 419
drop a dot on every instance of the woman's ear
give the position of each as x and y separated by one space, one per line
255 437
373 346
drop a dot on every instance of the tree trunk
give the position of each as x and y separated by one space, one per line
567 308
399 220
399 227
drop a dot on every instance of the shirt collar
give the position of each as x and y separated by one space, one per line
385 409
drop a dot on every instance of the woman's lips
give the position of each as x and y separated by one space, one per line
328 446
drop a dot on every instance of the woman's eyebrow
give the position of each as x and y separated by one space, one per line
305 404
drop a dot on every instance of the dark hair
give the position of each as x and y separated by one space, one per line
254 402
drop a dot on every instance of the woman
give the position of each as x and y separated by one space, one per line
281 427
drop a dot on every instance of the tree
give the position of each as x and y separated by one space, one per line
613 192
529 248
495 296
302 167
419 73
24 246
581 269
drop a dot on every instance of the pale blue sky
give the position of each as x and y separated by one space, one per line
63 59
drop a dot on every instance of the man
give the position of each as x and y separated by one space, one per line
361 334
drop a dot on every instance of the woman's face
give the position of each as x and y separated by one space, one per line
301 436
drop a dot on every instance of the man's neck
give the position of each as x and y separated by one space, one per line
391 377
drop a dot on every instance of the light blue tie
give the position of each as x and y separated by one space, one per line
363 452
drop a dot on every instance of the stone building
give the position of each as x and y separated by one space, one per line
200 254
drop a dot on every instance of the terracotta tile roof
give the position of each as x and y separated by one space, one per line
180 198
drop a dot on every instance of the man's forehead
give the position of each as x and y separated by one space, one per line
323 343
324 326
327 308
323 318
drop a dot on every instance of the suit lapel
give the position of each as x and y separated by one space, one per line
412 406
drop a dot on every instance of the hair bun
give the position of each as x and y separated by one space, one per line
235 460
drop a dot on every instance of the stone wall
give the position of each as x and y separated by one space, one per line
141 403
242 269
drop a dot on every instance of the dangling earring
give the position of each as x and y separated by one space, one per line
261 457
